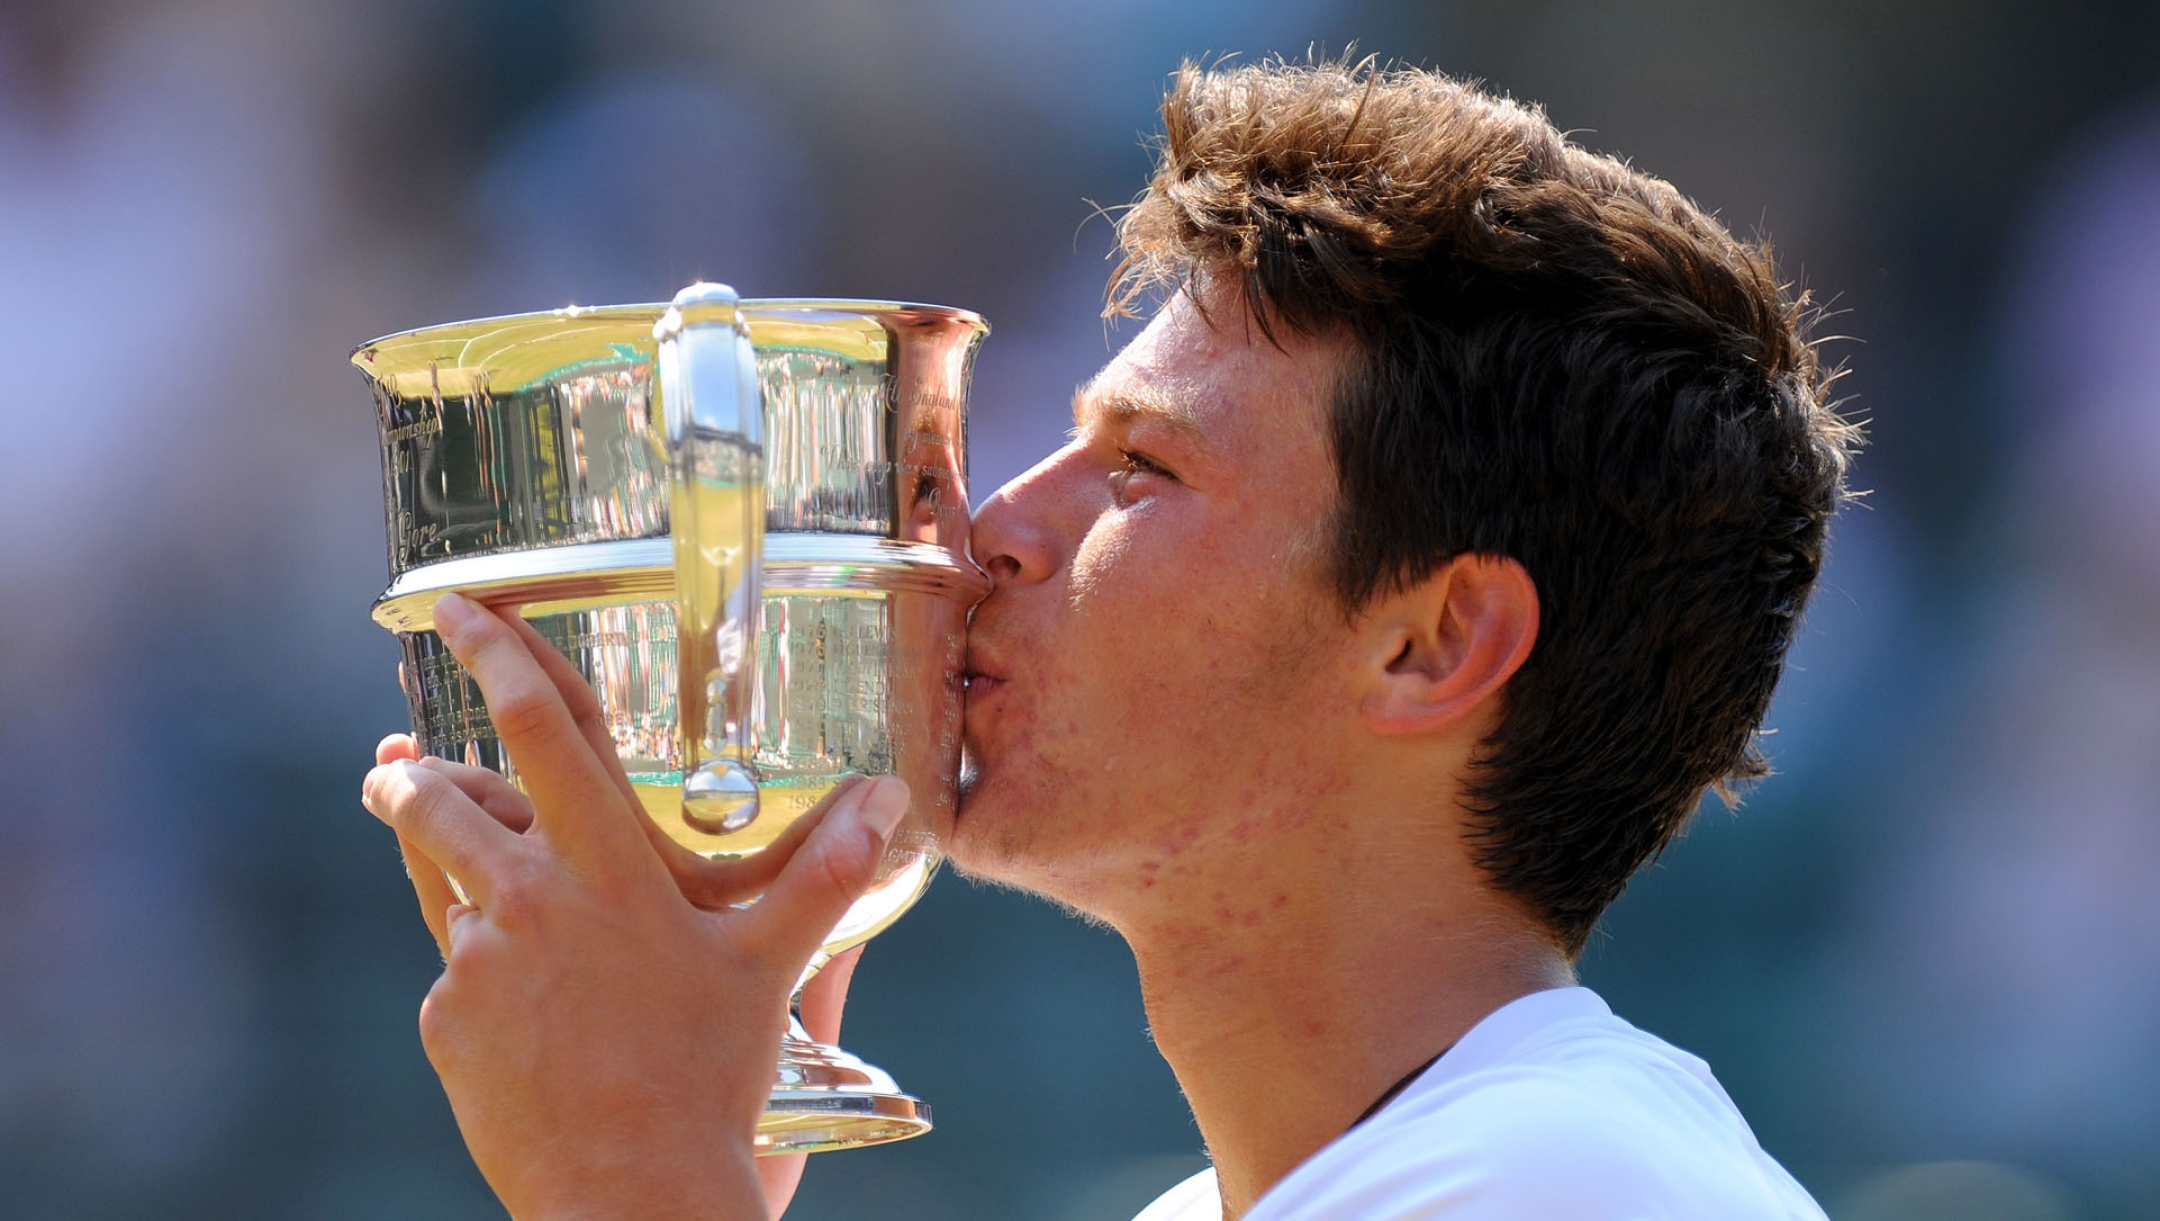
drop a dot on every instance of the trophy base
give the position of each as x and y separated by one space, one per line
827 1099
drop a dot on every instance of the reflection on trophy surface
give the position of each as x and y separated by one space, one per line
540 460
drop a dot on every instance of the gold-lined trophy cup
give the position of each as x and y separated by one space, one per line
804 618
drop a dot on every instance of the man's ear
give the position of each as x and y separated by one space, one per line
1440 647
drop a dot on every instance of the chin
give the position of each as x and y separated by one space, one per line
1010 836
995 830
974 824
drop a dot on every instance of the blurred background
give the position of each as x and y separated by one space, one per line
1923 959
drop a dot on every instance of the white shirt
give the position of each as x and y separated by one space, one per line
1550 1107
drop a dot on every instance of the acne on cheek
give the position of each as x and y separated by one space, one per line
1226 915
1178 836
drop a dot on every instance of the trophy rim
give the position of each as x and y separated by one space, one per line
859 307
573 575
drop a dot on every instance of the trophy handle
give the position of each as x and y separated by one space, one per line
714 423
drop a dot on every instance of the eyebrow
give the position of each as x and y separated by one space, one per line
1133 406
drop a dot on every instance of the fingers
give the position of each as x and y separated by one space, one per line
423 807
591 720
778 1177
430 886
457 920
578 700
575 799
828 873
433 891
488 790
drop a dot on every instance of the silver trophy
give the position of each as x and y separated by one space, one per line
805 618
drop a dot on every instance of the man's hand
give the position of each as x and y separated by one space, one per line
607 1044
703 882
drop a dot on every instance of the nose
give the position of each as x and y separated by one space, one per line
1024 532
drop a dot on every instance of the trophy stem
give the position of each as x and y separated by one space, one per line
826 1099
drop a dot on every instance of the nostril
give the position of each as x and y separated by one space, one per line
1002 567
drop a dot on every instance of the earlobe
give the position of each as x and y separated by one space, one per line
1446 645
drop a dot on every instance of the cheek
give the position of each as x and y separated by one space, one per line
1174 643
1100 570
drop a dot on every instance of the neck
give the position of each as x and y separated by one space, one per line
1312 981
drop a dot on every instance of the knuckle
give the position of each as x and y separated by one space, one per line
510 904
430 802
522 712
515 900
844 868
406 800
481 636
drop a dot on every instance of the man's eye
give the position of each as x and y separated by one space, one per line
1134 464
1129 465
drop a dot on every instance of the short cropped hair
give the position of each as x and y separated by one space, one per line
1561 360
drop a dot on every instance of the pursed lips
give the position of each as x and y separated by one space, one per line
982 677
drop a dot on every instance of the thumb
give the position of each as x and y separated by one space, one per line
827 874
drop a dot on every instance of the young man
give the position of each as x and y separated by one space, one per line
1406 583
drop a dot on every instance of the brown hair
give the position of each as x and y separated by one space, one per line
1562 361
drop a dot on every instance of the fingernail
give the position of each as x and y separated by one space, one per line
452 614
884 804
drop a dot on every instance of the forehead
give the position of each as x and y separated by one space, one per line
1215 378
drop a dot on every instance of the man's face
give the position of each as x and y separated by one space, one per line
1157 673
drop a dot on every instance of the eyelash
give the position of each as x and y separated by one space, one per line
1130 464
1135 463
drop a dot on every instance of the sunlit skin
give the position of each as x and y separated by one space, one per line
1173 726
